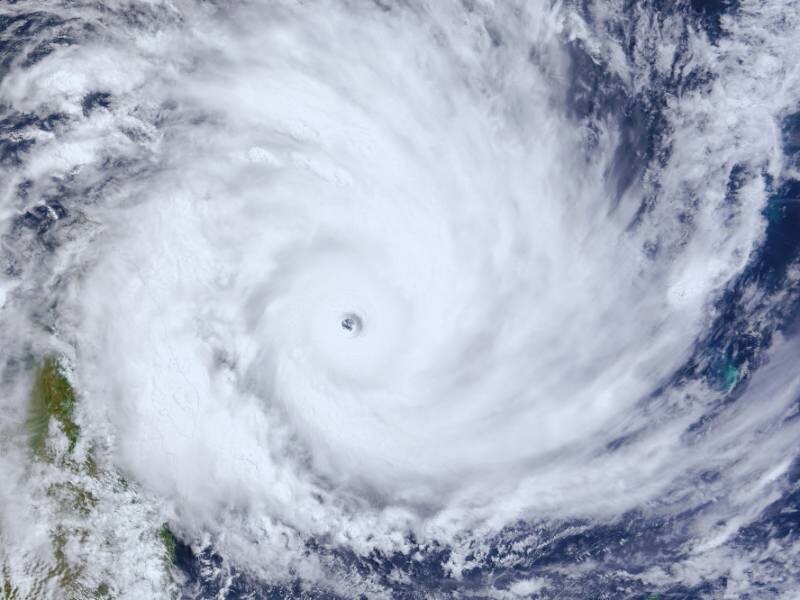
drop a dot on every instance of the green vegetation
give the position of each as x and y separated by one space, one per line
70 576
66 575
9 592
73 497
170 542
52 397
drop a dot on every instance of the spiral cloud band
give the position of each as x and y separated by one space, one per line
402 299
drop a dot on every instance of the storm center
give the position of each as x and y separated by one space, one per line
351 324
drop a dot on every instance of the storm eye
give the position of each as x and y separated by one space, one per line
351 324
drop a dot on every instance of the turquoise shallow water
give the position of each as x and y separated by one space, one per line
403 300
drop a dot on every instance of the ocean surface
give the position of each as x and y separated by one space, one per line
400 299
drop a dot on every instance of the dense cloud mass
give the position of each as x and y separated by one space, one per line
400 299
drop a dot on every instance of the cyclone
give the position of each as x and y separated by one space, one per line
399 299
